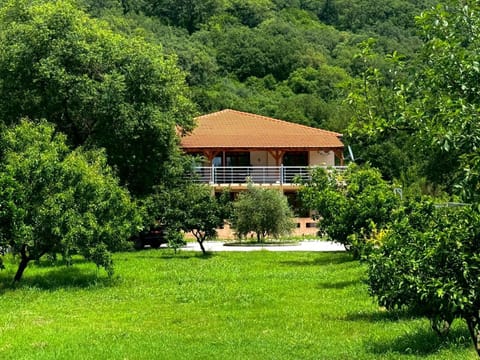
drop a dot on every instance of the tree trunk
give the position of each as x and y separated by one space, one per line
21 267
201 246
473 323
24 262
200 240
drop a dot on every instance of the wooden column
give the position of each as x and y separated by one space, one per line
339 155
277 155
210 155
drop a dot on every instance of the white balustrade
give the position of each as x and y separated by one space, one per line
255 174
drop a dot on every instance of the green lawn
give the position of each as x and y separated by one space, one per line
256 305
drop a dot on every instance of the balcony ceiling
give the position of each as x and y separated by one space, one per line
230 129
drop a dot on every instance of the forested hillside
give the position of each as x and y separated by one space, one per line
293 60
373 71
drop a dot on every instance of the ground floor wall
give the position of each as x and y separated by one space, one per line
305 227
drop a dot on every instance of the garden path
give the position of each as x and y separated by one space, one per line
309 245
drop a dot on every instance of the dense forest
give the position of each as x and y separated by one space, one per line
293 60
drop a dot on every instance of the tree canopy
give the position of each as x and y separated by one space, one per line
55 200
262 211
242 54
350 206
100 88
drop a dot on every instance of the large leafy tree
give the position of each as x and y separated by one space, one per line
54 200
427 107
100 88
447 102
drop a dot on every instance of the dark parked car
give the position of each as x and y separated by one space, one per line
155 236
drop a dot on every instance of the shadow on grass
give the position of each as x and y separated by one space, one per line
47 263
168 253
421 342
330 258
338 284
375 316
58 278
188 255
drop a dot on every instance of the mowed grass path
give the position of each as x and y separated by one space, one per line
256 305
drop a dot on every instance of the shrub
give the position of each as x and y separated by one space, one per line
262 211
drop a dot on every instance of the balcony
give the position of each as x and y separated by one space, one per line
271 175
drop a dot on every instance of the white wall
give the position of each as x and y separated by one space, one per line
322 158
259 158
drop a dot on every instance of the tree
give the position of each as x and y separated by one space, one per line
54 200
200 212
429 263
350 207
329 13
262 211
447 104
191 207
184 13
100 88
251 12
427 106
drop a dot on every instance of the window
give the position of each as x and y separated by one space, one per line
237 159
295 158
232 159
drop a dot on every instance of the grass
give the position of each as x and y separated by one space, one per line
256 305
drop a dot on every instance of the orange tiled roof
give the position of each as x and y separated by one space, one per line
230 129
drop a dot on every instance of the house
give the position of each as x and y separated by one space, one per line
241 148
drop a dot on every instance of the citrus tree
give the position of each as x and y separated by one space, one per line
55 200
350 206
429 263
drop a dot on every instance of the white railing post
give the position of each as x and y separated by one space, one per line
282 170
212 175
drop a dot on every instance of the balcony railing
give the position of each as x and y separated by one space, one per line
256 174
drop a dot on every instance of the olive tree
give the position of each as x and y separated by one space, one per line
55 200
262 211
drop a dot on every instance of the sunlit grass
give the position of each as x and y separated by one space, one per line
255 305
